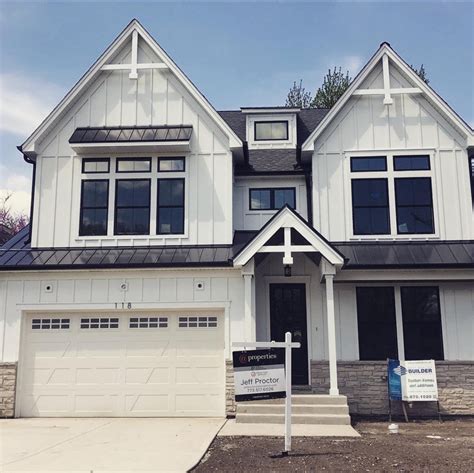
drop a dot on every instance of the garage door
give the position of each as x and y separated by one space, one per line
133 365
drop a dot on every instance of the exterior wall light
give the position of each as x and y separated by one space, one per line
287 271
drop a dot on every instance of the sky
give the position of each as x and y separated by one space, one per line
237 53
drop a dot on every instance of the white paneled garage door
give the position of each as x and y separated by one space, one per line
126 365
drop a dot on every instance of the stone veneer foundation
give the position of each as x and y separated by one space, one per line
7 389
365 385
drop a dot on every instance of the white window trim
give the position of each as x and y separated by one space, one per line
153 175
255 144
390 174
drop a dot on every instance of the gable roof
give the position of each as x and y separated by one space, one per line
429 93
287 217
28 146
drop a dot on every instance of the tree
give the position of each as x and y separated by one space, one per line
298 97
12 222
335 83
421 72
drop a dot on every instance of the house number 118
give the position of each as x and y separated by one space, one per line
123 305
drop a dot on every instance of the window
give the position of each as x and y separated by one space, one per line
392 195
471 173
133 165
369 164
50 324
197 322
271 130
148 322
170 219
100 322
414 205
95 165
376 323
370 209
94 207
132 207
422 334
272 199
170 164
411 163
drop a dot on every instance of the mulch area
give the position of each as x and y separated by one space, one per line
421 446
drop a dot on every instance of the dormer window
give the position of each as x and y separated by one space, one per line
271 130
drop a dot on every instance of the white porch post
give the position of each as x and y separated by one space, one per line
333 389
248 273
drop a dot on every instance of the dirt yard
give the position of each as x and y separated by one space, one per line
424 446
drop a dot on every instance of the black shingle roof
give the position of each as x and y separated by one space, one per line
274 160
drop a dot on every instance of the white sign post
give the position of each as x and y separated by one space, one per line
288 345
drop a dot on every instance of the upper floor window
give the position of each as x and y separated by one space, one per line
471 172
132 183
132 207
94 207
170 206
272 198
95 165
271 130
392 195
133 165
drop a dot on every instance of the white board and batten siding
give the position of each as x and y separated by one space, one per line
246 219
410 125
156 98
456 304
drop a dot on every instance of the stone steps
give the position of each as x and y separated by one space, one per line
306 409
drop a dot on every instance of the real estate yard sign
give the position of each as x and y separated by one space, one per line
413 380
259 374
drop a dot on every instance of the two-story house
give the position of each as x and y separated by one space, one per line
163 230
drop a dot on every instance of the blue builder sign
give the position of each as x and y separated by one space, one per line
259 374
413 380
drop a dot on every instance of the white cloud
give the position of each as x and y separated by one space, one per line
19 201
24 102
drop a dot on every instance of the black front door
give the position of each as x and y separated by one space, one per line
288 314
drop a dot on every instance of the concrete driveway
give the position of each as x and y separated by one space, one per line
96 445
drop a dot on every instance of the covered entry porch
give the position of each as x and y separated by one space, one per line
288 270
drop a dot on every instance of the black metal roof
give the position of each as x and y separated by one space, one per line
131 134
17 254
393 254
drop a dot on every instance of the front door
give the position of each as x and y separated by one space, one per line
288 314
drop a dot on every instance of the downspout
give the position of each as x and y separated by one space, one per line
32 201
309 184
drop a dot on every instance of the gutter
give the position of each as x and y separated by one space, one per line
33 182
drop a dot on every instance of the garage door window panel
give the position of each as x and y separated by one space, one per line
197 322
99 322
148 322
50 324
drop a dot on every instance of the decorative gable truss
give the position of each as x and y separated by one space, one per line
287 219
388 58
112 60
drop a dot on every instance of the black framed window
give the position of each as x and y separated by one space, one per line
414 204
133 165
411 163
170 218
271 130
95 165
376 323
272 198
370 207
368 163
94 207
132 207
422 331
171 164
471 173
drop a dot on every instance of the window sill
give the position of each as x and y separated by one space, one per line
420 237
